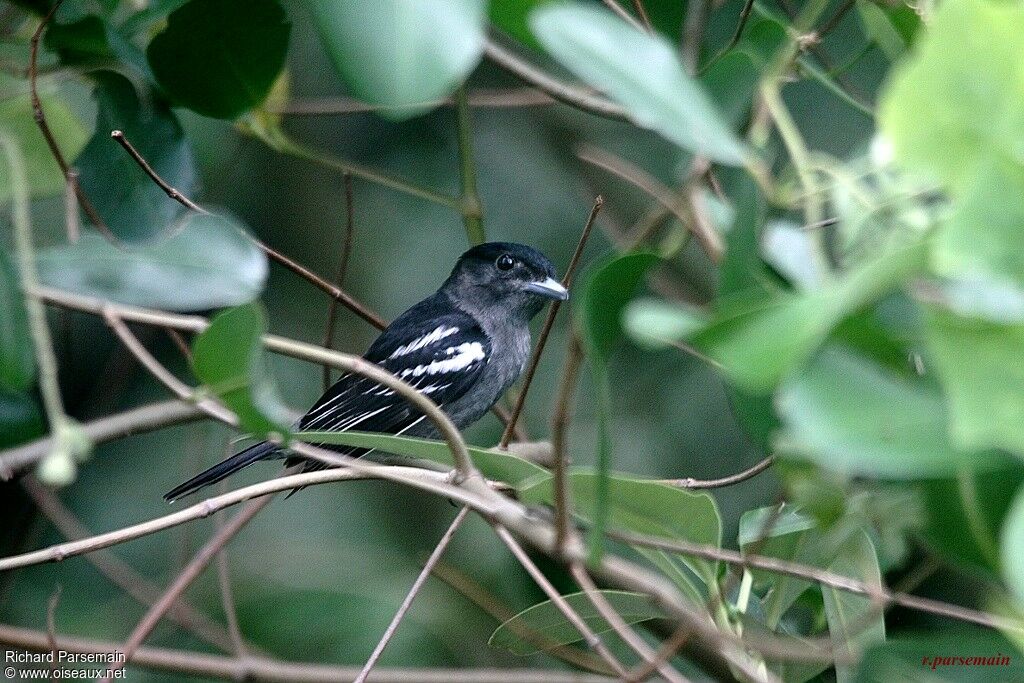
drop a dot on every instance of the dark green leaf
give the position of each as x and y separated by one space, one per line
608 288
979 365
881 29
20 418
17 357
544 627
511 16
220 57
606 52
228 358
850 415
129 202
932 657
420 52
1013 546
90 41
494 464
208 263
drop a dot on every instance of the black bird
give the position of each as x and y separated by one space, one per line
462 346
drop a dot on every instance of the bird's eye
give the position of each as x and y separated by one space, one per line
505 262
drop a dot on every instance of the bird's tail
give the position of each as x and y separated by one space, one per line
222 470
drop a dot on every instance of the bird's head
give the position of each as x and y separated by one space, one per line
504 278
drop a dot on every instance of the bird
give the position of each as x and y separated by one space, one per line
462 346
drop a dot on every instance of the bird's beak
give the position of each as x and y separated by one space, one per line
550 288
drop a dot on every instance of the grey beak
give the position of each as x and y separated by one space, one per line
550 288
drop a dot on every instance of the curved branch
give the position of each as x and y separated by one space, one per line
691 483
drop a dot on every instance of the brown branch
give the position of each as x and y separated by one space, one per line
184 663
549 321
641 12
574 96
227 594
559 437
621 13
184 579
691 483
140 420
633 174
619 625
339 278
428 567
824 577
170 191
592 640
119 572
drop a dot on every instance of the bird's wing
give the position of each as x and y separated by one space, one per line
443 359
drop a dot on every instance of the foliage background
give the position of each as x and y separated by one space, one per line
318 576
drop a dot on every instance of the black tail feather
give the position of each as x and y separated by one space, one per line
222 470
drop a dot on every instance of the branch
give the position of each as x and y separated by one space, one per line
549 321
428 567
559 437
574 96
505 98
110 428
616 9
472 208
274 671
691 483
339 278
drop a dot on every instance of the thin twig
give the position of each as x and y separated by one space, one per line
710 240
51 626
227 594
184 579
197 664
691 483
621 13
832 23
737 34
428 567
171 192
559 438
697 12
120 573
549 321
339 278
472 208
618 624
592 639
572 95
641 12
503 98
824 577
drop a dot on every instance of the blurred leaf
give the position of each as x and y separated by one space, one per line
790 250
90 41
44 175
923 657
730 83
655 324
964 514
758 342
133 206
854 621
220 57
1012 546
979 365
493 463
984 298
228 358
208 263
607 289
152 12
606 52
955 112
609 286
20 418
644 507
546 621
17 356
420 52
851 416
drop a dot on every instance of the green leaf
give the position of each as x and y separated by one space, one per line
420 50
17 357
511 16
881 29
609 286
20 418
134 207
852 416
228 358
44 175
854 621
545 623
1012 546
644 507
759 341
90 41
208 263
493 463
979 365
923 657
607 53
220 57
655 324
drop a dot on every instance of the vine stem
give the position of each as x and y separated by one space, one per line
471 206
